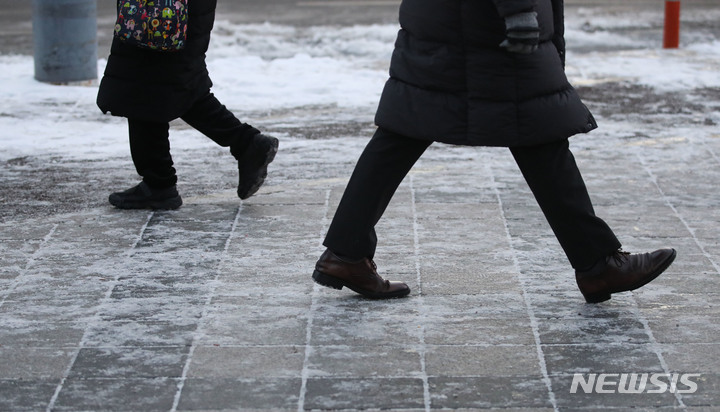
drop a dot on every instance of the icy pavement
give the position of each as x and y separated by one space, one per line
211 307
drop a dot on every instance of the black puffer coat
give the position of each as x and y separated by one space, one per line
451 82
160 86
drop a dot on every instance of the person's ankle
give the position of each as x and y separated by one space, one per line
594 269
243 142
346 258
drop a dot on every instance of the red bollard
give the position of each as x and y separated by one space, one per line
671 36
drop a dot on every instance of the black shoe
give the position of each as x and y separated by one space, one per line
623 272
143 196
253 163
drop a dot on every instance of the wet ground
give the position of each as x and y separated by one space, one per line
211 307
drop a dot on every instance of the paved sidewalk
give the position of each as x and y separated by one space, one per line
211 307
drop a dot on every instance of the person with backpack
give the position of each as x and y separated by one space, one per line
156 72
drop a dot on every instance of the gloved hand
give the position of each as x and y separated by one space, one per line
522 33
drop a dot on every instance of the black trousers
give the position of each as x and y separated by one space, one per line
150 144
550 171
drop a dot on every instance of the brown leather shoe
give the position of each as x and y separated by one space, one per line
623 272
360 276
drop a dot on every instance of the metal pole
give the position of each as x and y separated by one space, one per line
671 36
65 40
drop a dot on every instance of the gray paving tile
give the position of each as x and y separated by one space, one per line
240 394
448 195
113 229
247 362
683 328
467 329
180 240
567 302
692 357
601 358
256 320
491 305
165 283
593 331
141 333
493 360
54 283
619 393
364 361
486 392
9 273
34 363
18 251
466 276
656 304
26 394
52 310
116 394
29 334
354 393
152 305
463 236
566 400
75 252
707 395
129 362
690 282
359 322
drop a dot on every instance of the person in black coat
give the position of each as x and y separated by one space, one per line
481 73
151 88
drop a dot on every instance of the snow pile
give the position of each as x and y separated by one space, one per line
264 67
695 66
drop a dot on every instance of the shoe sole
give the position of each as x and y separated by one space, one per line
605 296
269 157
335 283
168 204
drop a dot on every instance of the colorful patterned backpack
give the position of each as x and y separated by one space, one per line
159 25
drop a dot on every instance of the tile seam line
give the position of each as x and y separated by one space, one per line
422 352
18 281
523 284
205 312
711 151
668 203
108 293
305 372
249 378
657 349
394 346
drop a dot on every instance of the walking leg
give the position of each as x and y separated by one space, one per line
150 151
553 176
253 150
383 165
214 120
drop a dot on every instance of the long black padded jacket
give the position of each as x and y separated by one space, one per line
451 82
